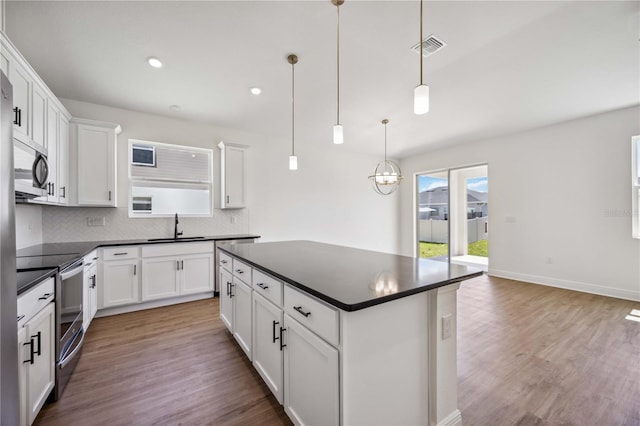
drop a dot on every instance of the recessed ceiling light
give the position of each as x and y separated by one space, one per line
175 107
255 90
154 62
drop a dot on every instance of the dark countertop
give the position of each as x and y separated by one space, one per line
82 248
26 280
349 278
60 255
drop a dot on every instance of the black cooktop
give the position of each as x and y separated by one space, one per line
38 263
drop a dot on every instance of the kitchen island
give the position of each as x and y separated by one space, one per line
346 336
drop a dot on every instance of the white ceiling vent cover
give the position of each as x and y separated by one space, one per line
430 45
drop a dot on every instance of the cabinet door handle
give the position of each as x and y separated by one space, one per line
20 317
109 195
64 191
231 290
182 265
124 253
45 296
263 286
39 337
240 271
135 269
300 311
227 199
177 265
93 281
224 262
282 345
31 352
228 291
274 331
17 118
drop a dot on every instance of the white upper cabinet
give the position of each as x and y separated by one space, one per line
39 119
232 175
94 145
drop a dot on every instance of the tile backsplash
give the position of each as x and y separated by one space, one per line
65 224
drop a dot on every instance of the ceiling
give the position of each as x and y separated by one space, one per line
507 66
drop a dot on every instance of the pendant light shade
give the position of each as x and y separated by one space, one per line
293 162
387 175
421 99
421 92
293 159
338 135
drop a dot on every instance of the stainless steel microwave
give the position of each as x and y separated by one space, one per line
31 170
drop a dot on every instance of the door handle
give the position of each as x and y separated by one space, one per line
231 290
39 337
282 330
135 269
45 296
263 286
274 331
31 352
64 191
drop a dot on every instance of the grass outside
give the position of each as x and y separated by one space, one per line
479 248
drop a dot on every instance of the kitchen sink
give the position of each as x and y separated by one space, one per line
176 239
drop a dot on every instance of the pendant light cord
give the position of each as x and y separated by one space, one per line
421 42
293 98
385 142
338 67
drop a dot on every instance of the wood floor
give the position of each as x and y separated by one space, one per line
527 355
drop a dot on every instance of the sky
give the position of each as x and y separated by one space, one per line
426 183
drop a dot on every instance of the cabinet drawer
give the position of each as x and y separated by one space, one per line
225 261
91 258
31 302
176 249
242 271
120 253
313 314
267 286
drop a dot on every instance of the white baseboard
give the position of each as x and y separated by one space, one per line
150 305
453 419
569 285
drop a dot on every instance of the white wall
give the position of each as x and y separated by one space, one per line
559 203
328 199
28 225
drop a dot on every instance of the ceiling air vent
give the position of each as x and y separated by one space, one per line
430 45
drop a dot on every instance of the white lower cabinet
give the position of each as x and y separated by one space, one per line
171 270
267 350
226 301
311 377
36 343
120 282
241 295
160 278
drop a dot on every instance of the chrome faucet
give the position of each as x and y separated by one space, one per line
176 234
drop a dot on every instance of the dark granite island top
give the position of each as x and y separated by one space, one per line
348 278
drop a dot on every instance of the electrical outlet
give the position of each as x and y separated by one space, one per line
96 221
446 326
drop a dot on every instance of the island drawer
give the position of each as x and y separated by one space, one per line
267 286
313 314
225 261
31 302
242 271
119 253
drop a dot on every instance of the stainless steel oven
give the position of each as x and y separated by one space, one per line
70 332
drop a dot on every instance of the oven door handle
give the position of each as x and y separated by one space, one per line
67 359
75 271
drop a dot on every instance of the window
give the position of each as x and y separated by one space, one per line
167 179
635 186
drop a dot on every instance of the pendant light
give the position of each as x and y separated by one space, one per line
421 92
338 134
387 175
293 159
